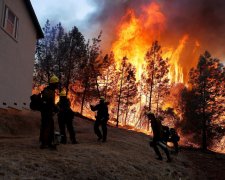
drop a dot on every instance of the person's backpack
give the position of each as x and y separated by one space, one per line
36 102
174 135
166 133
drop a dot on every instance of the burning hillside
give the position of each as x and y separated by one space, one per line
154 45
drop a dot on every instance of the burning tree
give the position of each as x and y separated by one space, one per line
108 83
127 89
91 71
156 76
206 98
109 77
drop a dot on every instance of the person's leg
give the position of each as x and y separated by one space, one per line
175 144
96 129
104 130
42 138
61 121
51 133
69 124
154 146
44 130
163 146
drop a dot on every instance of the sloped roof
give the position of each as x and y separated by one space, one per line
34 18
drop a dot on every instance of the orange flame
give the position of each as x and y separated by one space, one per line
176 71
136 34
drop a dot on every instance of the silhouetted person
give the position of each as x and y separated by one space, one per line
65 119
101 119
48 108
158 137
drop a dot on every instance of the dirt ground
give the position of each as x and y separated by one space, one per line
126 155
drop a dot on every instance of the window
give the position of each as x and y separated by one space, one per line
10 22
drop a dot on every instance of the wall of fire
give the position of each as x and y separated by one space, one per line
16 58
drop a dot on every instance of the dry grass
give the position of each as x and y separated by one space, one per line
126 155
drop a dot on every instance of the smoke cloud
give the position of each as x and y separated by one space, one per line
202 20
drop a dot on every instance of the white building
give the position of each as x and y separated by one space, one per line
19 31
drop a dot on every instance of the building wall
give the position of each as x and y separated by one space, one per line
16 58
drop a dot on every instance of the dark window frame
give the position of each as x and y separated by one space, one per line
6 21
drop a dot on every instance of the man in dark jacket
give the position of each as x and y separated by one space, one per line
158 137
48 108
101 119
65 119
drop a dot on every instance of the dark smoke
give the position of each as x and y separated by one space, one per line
203 20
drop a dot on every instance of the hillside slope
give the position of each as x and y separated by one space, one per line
126 154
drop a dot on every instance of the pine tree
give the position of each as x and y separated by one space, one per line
156 77
74 57
161 82
44 61
207 95
127 89
91 71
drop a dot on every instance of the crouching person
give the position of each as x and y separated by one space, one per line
101 119
158 137
65 119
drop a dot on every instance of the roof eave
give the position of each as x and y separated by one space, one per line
34 18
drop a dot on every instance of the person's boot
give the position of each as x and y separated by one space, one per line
169 160
63 140
74 141
159 158
99 138
42 146
104 139
52 147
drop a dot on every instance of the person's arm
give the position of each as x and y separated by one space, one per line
94 108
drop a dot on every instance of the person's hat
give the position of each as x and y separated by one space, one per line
149 113
62 93
54 79
160 118
102 98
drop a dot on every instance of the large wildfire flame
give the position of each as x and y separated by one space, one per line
135 35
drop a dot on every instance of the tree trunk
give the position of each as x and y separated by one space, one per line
127 108
69 72
157 104
151 89
83 98
118 107
60 78
96 81
204 121
107 79
125 120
